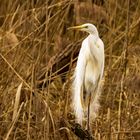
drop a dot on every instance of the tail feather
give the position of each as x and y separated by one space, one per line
79 109
77 105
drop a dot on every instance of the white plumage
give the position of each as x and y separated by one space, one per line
88 74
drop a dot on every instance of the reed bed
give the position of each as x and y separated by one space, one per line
37 59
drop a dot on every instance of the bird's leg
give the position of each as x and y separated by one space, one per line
88 115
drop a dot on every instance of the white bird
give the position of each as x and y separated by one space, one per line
88 75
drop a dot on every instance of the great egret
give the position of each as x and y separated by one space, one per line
88 75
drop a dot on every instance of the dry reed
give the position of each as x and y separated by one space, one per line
35 47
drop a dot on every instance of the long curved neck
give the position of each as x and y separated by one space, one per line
94 33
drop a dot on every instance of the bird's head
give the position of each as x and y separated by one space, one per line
88 27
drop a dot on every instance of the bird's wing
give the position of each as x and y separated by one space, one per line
79 81
96 47
100 42
97 52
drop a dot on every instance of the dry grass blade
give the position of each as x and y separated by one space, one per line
51 117
15 71
36 49
17 100
14 121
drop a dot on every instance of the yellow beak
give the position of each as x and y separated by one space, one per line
76 27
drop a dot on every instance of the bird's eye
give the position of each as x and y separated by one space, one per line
86 27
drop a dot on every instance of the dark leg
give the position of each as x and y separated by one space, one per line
88 116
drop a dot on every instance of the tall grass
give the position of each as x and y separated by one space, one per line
37 50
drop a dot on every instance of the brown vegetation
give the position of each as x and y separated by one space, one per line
37 59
